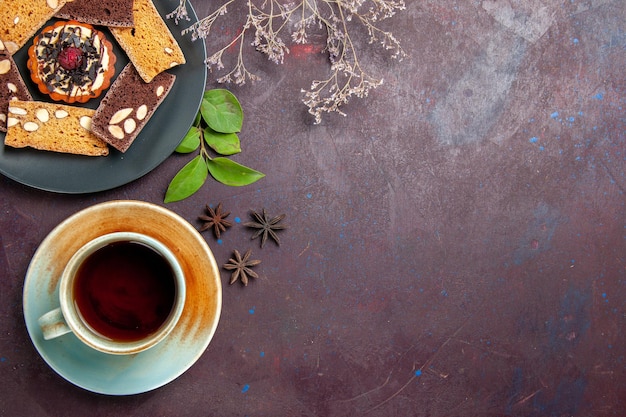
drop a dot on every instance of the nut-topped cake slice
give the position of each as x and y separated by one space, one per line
128 105
20 19
116 13
52 127
149 45
12 85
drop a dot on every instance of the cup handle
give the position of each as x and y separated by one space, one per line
53 324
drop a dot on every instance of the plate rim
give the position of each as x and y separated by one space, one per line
14 174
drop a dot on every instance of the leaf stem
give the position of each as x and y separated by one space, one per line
204 153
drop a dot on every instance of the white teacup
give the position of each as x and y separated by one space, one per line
120 293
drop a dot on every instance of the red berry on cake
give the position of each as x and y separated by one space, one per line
70 58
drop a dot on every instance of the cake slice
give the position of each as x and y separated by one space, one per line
52 127
12 85
128 105
118 13
20 19
149 45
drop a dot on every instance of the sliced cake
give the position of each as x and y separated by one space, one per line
149 45
12 85
128 105
52 127
117 13
20 19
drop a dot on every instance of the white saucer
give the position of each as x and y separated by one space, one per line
131 374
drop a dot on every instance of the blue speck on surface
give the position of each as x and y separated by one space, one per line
237 220
245 388
3 359
554 115
219 241
575 41
603 295
599 96
533 140
309 195
571 119
418 372
251 311
541 148
262 354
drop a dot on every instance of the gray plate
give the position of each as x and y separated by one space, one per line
80 174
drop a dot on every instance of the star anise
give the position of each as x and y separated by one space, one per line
241 267
215 219
267 226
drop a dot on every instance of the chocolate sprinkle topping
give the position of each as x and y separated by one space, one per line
79 79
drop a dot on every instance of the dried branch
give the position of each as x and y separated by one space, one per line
267 21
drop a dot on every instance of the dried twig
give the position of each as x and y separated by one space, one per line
267 22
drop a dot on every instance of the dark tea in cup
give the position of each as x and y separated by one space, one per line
120 293
125 290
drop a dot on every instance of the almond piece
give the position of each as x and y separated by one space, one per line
12 47
120 115
130 125
116 131
60 114
3 117
12 88
42 115
5 66
160 90
53 4
85 122
17 110
30 126
142 111
12 121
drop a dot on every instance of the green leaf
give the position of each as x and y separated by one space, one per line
187 181
190 142
221 110
231 173
222 143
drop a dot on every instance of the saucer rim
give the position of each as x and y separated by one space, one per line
192 349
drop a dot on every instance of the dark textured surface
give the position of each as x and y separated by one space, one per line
456 245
